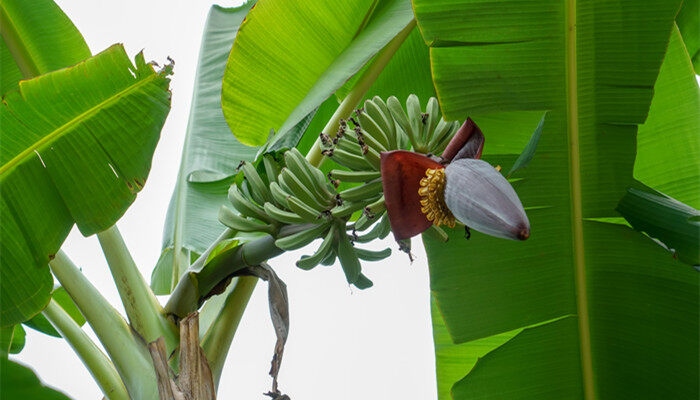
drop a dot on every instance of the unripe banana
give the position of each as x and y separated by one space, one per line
363 222
350 144
299 190
415 119
246 207
259 191
372 255
347 256
271 168
279 195
301 239
372 128
400 117
446 140
373 158
329 259
438 233
309 262
392 134
373 110
379 231
239 223
367 191
348 207
318 186
363 282
369 140
352 161
282 215
301 209
441 130
433 111
322 183
354 176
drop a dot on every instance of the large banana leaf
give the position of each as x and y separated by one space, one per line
585 308
37 37
668 143
25 384
76 148
209 157
688 21
290 56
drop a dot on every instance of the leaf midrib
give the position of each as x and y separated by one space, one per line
65 128
576 203
19 51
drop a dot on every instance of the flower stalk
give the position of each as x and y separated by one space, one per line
358 91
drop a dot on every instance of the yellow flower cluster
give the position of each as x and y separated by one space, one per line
432 193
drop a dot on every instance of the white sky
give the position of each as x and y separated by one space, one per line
343 343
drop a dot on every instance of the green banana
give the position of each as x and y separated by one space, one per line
372 157
372 255
363 222
271 168
391 132
414 117
239 223
433 111
301 209
295 166
348 207
279 195
301 239
352 161
363 282
400 117
322 183
300 190
282 215
348 144
379 231
363 192
372 142
329 259
373 110
311 173
309 262
446 140
354 176
441 130
372 128
259 191
244 206
347 256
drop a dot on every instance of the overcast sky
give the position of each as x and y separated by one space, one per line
343 343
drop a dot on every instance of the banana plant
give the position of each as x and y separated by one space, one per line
395 124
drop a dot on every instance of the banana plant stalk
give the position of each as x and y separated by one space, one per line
145 313
128 352
96 362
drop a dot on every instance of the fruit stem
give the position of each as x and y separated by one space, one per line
363 84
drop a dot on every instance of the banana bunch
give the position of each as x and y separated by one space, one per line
377 127
294 192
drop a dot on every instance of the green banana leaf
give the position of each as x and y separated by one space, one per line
209 157
668 147
20 382
76 148
291 56
688 20
585 308
25 51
